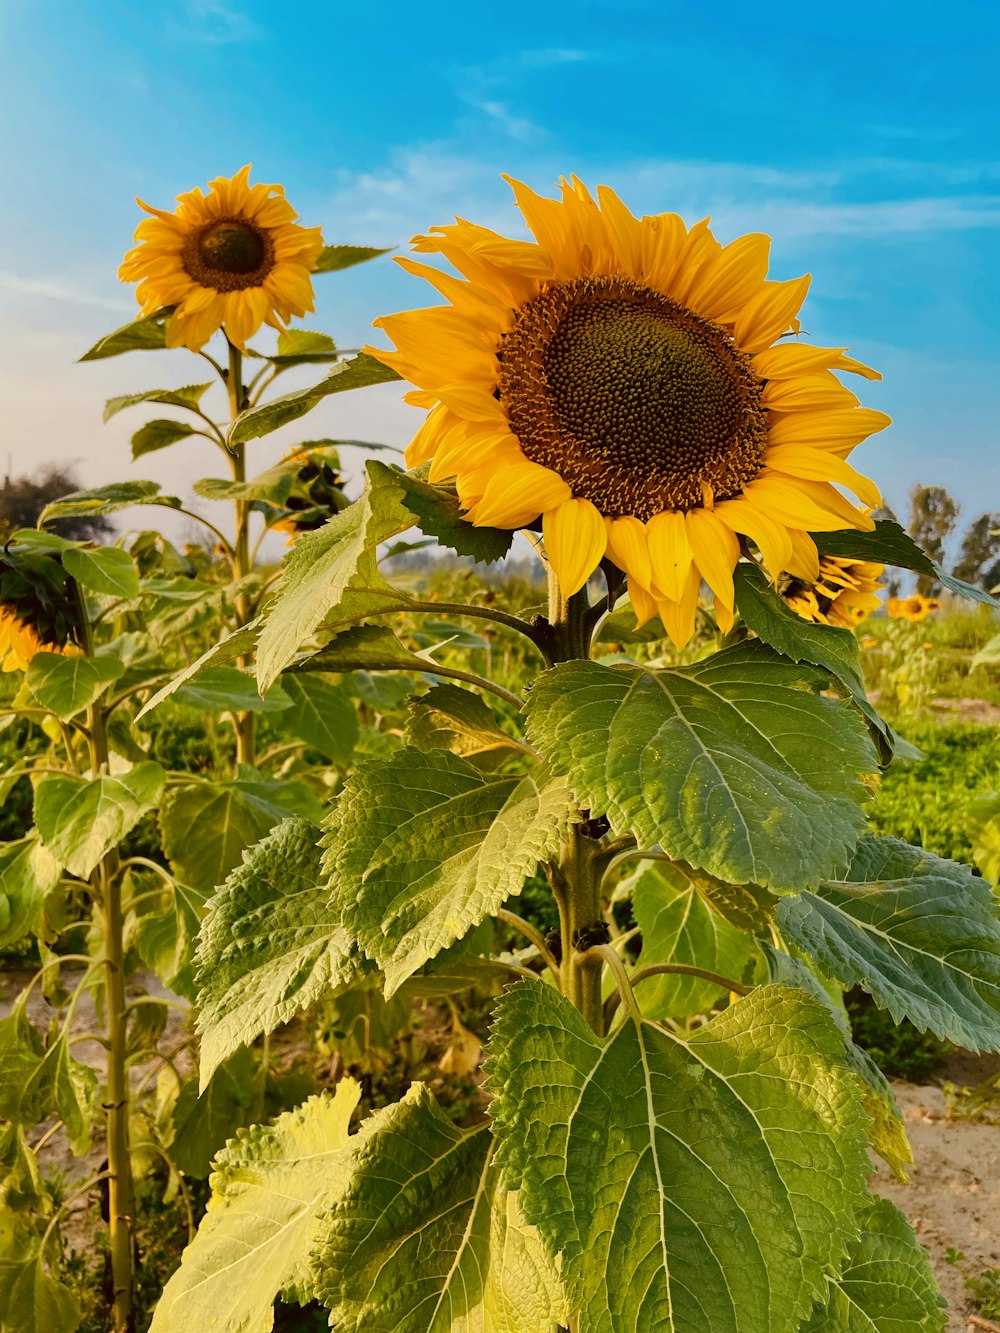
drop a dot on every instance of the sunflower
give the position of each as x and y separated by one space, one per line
845 593
911 608
232 259
621 380
316 491
18 642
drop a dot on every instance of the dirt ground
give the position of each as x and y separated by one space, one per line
953 1197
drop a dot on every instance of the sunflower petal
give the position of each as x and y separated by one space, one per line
669 552
769 314
678 615
518 493
576 538
817 465
716 552
628 548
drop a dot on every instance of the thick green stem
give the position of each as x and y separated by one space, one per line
107 883
245 740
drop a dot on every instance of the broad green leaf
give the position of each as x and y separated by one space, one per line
919 933
277 798
269 945
327 564
522 1293
302 347
204 1118
422 847
227 689
448 718
733 765
28 874
386 692
21 1188
268 1187
66 685
988 655
21 1053
159 433
140 335
108 570
107 500
829 646
32 1301
440 515
890 545
239 643
164 937
887 1284
79 821
36 1081
189 395
678 927
206 826
748 907
321 713
357 373
887 1129
405 1246
374 647
700 1184
333 258
274 484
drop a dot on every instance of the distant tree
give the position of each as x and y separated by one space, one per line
979 556
933 514
22 501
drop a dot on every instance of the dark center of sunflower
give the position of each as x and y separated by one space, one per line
638 403
229 255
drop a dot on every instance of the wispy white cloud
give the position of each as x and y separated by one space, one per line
57 289
213 23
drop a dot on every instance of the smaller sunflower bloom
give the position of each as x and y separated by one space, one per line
845 592
911 608
232 259
19 643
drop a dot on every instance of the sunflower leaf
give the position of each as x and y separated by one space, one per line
268 1187
440 515
107 570
80 821
238 643
138 335
887 1284
919 933
322 713
733 765
28 874
357 373
334 564
189 395
302 347
836 649
447 718
31 1300
269 945
333 258
678 927
889 544
66 685
108 499
206 826
699 1184
159 434
420 848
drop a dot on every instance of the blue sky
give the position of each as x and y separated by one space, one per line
863 137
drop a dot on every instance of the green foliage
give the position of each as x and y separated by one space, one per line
80 821
761 783
888 544
886 1286
360 372
148 334
68 685
269 945
644 1159
899 1049
920 934
413 876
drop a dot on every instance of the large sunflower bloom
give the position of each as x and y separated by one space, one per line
845 593
232 259
621 379
18 642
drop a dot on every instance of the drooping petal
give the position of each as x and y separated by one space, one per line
628 547
669 552
716 551
517 493
678 615
576 538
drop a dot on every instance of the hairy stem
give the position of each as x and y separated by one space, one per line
244 722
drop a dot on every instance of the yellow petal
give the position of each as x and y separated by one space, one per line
813 506
624 232
576 538
643 603
628 548
669 552
678 615
817 465
429 436
471 402
804 561
769 314
545 217
725 616
517 494
523 257
825 429
727 282
716 551
772 539
807 393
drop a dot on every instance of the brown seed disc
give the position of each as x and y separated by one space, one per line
638 403
230 254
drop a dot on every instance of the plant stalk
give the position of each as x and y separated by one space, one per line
244 722
121 1188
